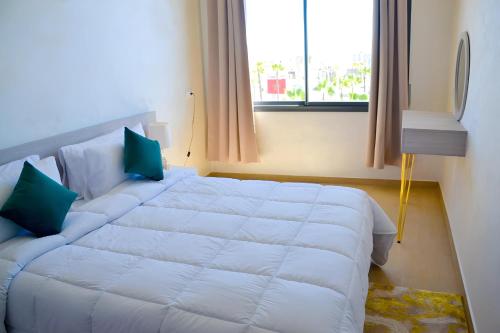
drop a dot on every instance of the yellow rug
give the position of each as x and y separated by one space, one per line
396 309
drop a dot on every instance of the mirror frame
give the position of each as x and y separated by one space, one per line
463 43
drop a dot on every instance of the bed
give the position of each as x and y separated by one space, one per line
195 254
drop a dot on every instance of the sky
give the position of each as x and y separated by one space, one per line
336 29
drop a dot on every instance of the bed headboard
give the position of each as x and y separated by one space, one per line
49 146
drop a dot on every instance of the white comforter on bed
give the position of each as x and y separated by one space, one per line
197 255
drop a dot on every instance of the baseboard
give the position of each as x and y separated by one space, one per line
456 263
321 180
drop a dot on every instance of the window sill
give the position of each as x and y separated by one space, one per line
323 107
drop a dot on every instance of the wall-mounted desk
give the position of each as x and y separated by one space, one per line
428 133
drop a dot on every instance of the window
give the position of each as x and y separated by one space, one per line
333 35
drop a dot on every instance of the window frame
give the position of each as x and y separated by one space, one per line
306 105
288 106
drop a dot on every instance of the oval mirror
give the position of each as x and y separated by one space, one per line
462 75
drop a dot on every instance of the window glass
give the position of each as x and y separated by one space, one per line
338 42
339 47
275 37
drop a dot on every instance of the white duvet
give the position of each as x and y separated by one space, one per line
197 255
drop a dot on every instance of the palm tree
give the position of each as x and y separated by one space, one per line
353 80
328 84
260 71
277 68
344 82
321 87
364 71
331 89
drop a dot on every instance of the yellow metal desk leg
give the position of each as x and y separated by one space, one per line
404 195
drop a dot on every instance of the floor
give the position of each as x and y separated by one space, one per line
424 259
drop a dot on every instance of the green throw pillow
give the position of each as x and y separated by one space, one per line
142 156
38 203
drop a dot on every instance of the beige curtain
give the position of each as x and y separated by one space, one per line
230 125
389 81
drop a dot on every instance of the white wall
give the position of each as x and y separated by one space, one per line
334 143
325 144
432 52
471 185
70 64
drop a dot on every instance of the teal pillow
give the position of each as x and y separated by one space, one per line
38 203
142 156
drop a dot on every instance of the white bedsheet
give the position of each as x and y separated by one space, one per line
194 254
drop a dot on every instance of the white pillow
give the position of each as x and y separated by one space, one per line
104 169
72 158
9 175
48 167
